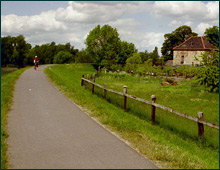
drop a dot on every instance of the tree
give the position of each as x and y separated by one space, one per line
83 57
144 55
175 38
63 57
22 48
212 35
133 62
6 50
14 50
103 44
209 73
155 56
168 70
126 51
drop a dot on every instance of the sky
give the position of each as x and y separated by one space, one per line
142 23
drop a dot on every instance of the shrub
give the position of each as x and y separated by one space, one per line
63 57
209 73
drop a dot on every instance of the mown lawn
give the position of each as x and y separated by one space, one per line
166 146
8 80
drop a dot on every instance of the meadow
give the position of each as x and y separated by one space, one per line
8 80
171 143
186 97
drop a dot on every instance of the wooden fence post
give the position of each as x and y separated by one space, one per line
105 92
93 86
153 112
200 125
82 82
88 76
125 97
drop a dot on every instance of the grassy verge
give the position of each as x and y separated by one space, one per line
164 147
185 97
8 80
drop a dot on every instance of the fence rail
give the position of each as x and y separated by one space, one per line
154 105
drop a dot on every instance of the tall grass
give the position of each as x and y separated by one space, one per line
8 80
168 148
182 97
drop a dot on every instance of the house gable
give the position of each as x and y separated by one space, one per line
186 52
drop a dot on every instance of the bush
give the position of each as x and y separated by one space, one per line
209 73
133 62
63 57
84 57
168 70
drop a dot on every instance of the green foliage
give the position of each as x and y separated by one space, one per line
63 57
14 50
144 55
209 73
155 56
47 52
133 62
212 35
175 38
168 70
184 70
126 51
103 44
83 57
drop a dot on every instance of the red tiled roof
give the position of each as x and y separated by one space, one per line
195 44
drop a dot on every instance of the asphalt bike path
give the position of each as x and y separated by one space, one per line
48 131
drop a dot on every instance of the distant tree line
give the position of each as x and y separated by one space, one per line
103 48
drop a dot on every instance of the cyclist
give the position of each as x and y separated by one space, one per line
36 61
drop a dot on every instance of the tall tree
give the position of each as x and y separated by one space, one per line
103 44
14 50
133 62
6 50
126 51
175 38
212 35
144 55
154 56
22 48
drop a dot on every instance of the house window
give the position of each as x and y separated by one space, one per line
182 59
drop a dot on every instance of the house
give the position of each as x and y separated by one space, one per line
186 52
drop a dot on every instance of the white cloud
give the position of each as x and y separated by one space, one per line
96 12
73 23
32 24
47 37
125 24
189 23
188 10
151 40
175 24
200 29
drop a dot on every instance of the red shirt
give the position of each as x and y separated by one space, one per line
36 59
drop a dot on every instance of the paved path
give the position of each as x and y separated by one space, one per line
47 131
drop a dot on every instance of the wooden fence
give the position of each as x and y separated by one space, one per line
153 104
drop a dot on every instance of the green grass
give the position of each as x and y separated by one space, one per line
186 97
166 147
8 80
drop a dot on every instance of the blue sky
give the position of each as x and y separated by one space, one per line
143 23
